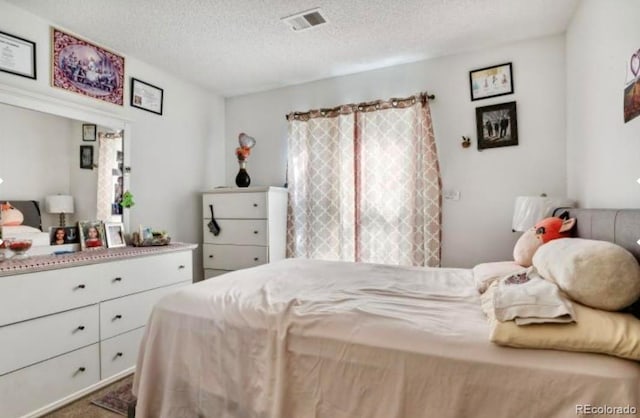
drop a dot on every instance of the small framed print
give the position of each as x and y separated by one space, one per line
86 157
146 96
17 56
115 235
89 132
92 235
64 235
497 125
491 81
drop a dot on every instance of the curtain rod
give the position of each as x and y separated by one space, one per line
364 106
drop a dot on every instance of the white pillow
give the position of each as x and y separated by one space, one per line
599 274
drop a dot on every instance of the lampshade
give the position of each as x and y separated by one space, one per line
59 204
531 209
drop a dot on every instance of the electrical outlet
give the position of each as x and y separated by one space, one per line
451 194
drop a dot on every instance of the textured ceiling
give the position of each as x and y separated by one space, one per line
233 47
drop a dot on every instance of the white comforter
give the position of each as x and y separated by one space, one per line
300 338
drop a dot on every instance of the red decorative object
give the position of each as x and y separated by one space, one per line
84 68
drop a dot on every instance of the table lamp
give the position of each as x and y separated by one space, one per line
61 204
531 209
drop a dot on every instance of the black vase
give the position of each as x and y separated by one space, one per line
243 179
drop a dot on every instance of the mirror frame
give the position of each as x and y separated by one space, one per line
47 104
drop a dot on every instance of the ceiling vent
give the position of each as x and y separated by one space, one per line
305 20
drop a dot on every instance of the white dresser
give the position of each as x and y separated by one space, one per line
77 326
253 228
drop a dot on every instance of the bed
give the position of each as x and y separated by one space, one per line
303 338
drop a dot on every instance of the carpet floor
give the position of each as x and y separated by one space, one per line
83 408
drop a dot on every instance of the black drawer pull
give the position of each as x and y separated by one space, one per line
117 279
81 369
180 267
255 232
255 259
119 354
81 286
117 317
255 205
81 328
210 255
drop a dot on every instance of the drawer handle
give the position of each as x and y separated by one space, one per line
255 258
180 267
210 255
255 205
81 286
117 317
255 232
117 279
119 354
81 369
80 328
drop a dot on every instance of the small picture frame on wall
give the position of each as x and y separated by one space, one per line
497 125
491 81
86 157
92 235
115 235
89 132
146 96
17 56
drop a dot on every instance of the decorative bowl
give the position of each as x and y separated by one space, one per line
19 247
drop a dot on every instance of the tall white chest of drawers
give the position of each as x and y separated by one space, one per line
77 326
253 224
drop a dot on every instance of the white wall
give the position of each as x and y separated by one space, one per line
603 152
34 156
173 156
477 227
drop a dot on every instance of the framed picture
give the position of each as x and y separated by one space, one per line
86 157
92 235
115 235
491 81
89 132
64 235
146 96
85 68
17 56
497 125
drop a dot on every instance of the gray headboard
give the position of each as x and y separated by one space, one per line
30 210
620 226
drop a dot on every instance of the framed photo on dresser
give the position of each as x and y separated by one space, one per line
92 235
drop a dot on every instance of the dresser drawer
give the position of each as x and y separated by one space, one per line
130 312
119 353
237 231
32 341
36 386
233 257
120 278
235 205
26 296
209 273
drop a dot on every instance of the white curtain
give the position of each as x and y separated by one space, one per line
365 185
107 161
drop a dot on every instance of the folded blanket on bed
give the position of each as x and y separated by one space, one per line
527 299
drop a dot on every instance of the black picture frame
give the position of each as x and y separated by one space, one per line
86 157
497 125
486 74
146 96
34 74
89 132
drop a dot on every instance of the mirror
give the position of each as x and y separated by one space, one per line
46 153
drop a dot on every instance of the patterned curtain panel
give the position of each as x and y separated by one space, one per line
364 185
321 189
107 155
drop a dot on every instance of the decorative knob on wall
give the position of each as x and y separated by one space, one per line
466 142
